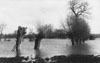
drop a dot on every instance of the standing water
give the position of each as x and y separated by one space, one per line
51 47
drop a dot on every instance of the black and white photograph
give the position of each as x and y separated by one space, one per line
49 31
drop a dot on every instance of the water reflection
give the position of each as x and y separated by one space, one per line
80 49
37 53
51 47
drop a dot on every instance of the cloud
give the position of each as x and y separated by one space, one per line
27 12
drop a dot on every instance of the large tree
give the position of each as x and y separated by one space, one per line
76 25
80 29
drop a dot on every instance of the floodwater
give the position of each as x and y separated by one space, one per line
51 47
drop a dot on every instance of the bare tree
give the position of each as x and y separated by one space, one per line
79 8
2 27
20 35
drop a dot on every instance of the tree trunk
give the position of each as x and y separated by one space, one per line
37 43
18 41
17 51
72 40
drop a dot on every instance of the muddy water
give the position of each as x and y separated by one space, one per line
51 47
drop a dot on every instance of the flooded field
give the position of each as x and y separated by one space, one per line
51 47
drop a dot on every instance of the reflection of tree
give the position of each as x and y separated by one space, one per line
37 54
82 49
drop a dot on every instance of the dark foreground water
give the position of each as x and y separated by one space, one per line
51 47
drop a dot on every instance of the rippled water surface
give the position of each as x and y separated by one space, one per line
51 47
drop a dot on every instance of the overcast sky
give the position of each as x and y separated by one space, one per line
29 12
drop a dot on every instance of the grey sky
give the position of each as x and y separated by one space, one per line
28 12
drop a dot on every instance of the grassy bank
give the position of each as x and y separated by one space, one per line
54 59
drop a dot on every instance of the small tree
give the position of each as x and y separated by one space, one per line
48 31
2 26
31 35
